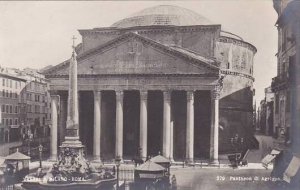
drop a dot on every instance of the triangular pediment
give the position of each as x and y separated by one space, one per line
134 54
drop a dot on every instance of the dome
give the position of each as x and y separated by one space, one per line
163 15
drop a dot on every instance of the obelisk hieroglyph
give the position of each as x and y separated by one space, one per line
72 125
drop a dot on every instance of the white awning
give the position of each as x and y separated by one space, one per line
275 152
292 169
268 159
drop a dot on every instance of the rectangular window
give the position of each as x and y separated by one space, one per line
10 109
3 93
7 108
16 109
3 82
3 108
10 121
16 122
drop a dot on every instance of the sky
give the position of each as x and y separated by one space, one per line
38 33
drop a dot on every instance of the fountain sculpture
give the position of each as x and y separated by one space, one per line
72 170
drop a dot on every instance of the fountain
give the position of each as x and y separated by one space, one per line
72 170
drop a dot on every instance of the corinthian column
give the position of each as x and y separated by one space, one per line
214 132
190 127
97 125
143 124
54 114
119 124
166 124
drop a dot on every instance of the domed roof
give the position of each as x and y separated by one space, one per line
163 15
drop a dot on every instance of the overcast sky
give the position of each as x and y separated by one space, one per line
36 34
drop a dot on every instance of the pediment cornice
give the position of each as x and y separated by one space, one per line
198 62
175 75
149 29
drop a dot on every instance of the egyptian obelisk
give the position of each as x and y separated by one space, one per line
72 125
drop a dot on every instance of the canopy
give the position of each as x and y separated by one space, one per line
17 156
268 159
275 152
160 159
292 169
1 160
150 166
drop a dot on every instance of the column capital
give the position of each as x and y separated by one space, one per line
215 93
167 95
55 97
119 94
97 91
190 95
97 94
53 92
143 94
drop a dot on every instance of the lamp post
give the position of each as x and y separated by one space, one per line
118 163
40 154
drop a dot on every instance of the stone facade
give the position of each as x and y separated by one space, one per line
175 89
283 85
10 90
286 88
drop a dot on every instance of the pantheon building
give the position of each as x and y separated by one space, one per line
164 80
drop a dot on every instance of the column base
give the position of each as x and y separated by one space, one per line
53 158
189 160
214 162
97 160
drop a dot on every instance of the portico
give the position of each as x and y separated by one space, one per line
166 104
144 129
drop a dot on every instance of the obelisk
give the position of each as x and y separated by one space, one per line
72 125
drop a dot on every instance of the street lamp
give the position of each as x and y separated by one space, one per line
118 163
40 154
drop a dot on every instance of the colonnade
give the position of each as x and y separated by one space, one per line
167 149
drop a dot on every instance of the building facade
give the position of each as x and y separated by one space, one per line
25 105
266 114
284 85
162 80
10 90
286 89
35 104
